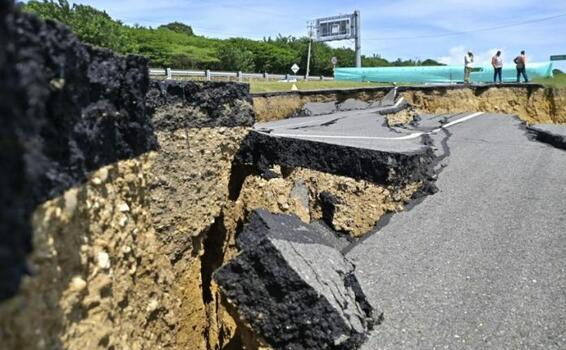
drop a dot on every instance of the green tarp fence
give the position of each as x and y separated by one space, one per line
438 74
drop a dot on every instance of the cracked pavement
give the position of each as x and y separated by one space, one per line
482 263
551 134
361 128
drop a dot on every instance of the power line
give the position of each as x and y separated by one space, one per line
469 31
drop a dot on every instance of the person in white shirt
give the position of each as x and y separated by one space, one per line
468 64
497 63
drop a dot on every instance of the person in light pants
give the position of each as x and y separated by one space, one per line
497 63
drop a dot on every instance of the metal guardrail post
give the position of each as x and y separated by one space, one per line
239 75
207 74
169 75
265 76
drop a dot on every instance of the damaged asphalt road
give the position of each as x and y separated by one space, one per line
482 263
361 129
479 264
356 144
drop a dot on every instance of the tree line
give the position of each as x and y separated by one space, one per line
175 45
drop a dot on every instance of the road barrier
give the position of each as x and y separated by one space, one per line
439 74
168 73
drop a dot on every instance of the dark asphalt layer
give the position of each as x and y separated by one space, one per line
482 263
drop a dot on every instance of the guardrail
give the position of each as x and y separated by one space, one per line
169 73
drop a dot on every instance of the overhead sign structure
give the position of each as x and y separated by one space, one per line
558 58
342 27
295 68
335 28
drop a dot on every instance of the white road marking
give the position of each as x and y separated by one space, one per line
400 138
458 121
399 102
406 137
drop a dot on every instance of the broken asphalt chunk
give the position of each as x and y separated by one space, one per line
293 289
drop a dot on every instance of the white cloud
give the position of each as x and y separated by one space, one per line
456 56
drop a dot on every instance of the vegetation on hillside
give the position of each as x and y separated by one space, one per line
175 45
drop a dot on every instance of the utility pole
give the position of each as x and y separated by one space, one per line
309 52
358 38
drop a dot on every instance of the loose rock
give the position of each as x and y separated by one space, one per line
317 108
352 105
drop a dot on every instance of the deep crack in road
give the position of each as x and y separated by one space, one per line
482 263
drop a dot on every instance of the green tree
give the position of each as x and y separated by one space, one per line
89 24
178 27
166 48
234 58
430 62
375 61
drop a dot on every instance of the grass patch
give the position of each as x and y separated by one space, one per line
558 80
271 86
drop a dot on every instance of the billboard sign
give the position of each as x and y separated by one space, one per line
558 58
335 28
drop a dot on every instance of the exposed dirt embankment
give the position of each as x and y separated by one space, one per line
277 106
189 197
125 252
67 109
533 103
358 204
100 279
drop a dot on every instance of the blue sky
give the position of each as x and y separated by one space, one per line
401 28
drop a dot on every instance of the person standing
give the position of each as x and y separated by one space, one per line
521 63
468 64
497 63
